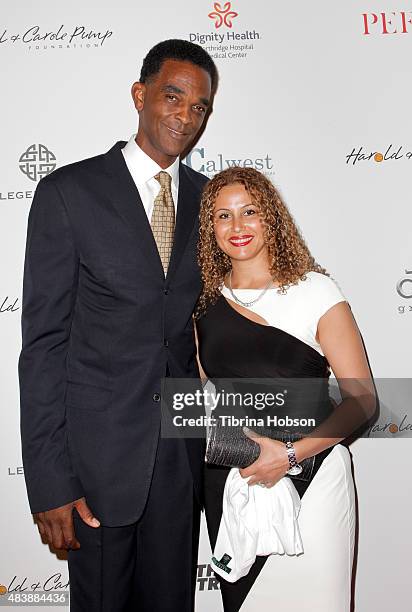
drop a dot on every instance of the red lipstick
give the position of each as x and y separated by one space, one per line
240 241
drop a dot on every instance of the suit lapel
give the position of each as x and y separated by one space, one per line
126 199
187 213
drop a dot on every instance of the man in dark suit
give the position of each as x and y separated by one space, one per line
110 284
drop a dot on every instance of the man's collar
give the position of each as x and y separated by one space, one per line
143 167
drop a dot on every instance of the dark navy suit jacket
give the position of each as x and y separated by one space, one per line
101 326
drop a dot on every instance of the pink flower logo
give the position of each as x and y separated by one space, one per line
223 15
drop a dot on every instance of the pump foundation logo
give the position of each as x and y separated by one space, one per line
38 38
223 41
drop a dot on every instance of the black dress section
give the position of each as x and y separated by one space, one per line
233 346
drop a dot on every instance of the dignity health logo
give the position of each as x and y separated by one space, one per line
224 42
223 15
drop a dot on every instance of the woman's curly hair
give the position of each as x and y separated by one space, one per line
289 256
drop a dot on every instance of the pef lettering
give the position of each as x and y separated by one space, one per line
387 23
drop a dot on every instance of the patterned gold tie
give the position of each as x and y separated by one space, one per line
163 219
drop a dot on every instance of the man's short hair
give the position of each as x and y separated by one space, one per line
181 50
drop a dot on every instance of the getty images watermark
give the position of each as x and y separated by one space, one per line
319 406
212 399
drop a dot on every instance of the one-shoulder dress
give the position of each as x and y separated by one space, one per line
233 346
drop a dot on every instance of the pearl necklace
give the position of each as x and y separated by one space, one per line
246 304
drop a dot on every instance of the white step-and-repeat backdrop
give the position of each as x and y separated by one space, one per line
318 97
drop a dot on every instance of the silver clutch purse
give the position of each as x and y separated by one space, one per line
230 447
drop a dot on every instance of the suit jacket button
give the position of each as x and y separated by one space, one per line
166 343
156 397
165 291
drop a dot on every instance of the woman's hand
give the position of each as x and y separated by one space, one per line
272 463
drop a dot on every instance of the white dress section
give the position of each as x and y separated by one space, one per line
319 580
298 311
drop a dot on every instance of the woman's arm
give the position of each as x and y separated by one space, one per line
341 343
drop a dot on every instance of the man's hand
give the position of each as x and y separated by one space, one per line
56 526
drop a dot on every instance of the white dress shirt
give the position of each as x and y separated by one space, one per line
143 170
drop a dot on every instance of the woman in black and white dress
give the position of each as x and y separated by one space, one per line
267 310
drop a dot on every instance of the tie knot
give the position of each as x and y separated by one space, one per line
164 179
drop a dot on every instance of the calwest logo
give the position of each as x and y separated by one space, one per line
223 15
198 160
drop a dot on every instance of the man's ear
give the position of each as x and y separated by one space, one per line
138 95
